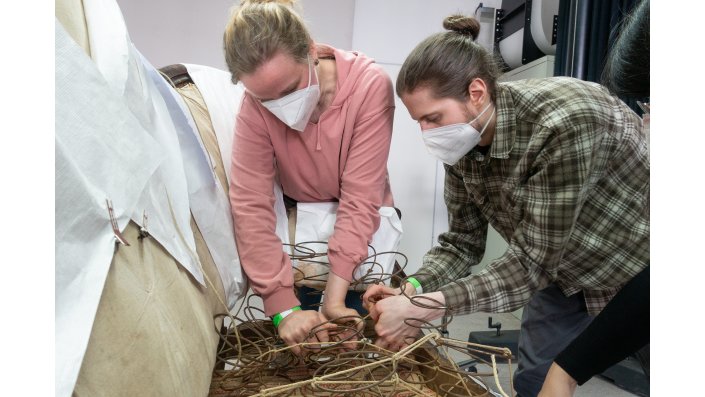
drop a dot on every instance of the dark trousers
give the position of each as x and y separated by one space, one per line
311 299
549 323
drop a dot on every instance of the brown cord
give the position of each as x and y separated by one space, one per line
257 362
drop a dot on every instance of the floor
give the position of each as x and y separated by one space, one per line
460 328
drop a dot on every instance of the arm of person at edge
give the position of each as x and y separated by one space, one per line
460 248
363 187
621 329
267 267
558 383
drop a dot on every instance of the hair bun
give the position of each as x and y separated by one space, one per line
467 26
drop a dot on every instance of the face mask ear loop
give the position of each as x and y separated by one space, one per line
488 121
308 61
481 113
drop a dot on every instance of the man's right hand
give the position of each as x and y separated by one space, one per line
295 327
378 292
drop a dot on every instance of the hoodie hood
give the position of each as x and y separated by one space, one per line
350 65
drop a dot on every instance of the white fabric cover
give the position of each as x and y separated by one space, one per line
98 139
122 134
223 99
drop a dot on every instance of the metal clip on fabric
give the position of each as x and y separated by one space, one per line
113 223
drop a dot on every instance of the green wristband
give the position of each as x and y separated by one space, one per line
416 284
277 318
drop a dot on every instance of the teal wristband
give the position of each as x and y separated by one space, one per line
416 284
277 318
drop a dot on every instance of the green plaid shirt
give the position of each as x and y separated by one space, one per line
565 183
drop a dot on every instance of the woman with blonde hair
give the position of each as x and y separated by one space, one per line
318 120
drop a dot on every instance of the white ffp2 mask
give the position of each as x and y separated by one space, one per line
295 109
451 142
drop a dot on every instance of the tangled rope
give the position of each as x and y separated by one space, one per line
253 361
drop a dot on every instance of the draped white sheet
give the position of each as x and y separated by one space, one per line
123 134
102 151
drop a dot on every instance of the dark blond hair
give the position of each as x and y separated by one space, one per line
448 62
257 30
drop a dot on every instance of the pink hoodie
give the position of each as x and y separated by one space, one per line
343 157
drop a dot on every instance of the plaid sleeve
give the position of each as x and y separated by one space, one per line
548 200
463 245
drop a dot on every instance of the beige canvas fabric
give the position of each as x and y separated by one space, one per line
154 332
199 111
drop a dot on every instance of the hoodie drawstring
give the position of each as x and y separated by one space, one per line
318 136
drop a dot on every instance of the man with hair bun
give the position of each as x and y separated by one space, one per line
318 120
558 166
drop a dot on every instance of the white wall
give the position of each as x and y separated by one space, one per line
388 30
191 31
330 22
178 31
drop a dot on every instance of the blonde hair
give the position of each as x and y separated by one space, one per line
257 30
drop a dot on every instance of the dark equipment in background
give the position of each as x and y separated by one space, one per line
519 32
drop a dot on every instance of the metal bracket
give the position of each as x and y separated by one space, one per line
143 229
498 326
554 36
498 26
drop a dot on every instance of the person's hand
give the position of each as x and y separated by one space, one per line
334 309
375 293
390 314
349 320
296 327
558 383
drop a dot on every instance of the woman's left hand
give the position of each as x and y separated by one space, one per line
333 312
349 324
334 309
